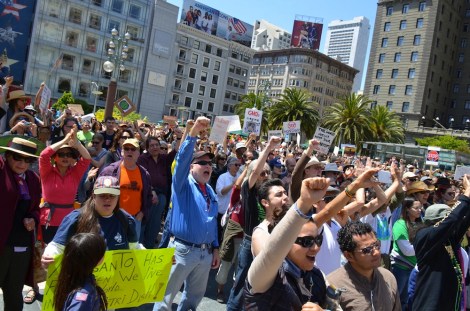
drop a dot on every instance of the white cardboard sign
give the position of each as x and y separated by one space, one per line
325 137
45 98
252 123
219 130
277 133
234 124
461 170
291 127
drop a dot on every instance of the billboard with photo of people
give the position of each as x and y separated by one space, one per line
215 22
306 35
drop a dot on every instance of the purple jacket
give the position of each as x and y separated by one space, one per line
114 169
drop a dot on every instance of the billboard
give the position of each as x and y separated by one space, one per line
215 22
306 35
16 17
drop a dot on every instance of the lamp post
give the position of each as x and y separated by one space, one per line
117 55
423 120
97 93
467 124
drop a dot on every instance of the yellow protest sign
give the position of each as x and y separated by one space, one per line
129 278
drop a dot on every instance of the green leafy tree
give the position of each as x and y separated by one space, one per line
349 119
133 116
294 105
445 142
63 101
259 102
385 126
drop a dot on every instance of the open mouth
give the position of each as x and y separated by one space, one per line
311 258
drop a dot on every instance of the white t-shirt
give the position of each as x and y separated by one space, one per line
383 228
224 180
328 258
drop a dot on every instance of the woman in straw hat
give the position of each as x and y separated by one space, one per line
22 123
20 192
17 100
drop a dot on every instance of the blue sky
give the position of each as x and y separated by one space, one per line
282 12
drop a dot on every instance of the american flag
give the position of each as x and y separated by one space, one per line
237 25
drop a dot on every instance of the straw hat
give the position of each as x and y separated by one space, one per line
22 146
15 92
18 115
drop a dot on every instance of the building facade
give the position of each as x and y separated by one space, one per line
327 79
418 61
210 75
267 36
348 40
69 45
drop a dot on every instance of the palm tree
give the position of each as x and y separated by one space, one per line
385 126
295 105
254 101
349 119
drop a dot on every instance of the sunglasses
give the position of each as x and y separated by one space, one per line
125 137
63 155
308 241
413 179
369 249
106 196
237 164
222 159
130 149
19 158
328 199
203 163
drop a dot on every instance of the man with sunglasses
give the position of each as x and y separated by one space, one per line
193 223
365 285
135 184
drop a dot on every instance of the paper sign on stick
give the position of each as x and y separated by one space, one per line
461 170
325 137
252 123
219 130
291 127
432 156
234 124
129 277
45 99
277 133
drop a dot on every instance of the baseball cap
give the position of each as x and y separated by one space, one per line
436 212
106 184
132 141
275 163
240 145
200 154
409 175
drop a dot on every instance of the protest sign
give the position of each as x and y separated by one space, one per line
277 133
432 156
234 124
125 105
45 99
291 127
128 277
252 123
76 109
461 170
219 130
325 137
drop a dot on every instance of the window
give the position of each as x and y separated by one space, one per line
411 73
405 107
414 56
88 66
400 40
210 107
461 57
130 55
456 88
190 87
216 65
219 52
394 73
117 6
468 88
242 85
376 89
387 26
75 16
205 62
64 85
215 79
422 6
203 76
373 105
459 74
379 73
133 31
194 58
213 93
465 27
402 24
196 44
202 90
382 58
208 48
409 90
199 104
192 73
84 89
67 62
134 11
231 68
417 40
397 57
405 8
391 90
71 39
113 25
91 44
463 43
419 23
389 10
384 42
95 22
187 101
389 105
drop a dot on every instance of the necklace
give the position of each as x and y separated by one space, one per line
458 272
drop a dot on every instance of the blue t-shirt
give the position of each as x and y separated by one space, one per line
84 299
112 230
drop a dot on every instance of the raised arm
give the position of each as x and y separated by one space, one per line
273 141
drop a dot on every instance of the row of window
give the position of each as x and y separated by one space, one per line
405 106
233 96
237 70
397 57
65 85
403 24
392 89
394 75
190 89
406 8
401 41
236 83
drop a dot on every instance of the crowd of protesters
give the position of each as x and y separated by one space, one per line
301 230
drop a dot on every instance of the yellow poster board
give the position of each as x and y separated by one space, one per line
129 278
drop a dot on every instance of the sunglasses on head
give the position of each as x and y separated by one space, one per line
19 158
203 163
63 155
369 249
130 149
308 241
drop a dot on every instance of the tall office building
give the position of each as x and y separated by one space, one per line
347 41
267 36
418 61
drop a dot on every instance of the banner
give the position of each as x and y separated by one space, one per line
432 156
325 137
277 133
252 122
129 278
291 127
219 130
306 35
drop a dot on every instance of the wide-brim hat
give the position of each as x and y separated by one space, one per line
240 145
16 94
419 186
18 115
30 108
331 167
67 146
22 146
436 212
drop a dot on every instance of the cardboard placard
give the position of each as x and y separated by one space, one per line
125 105
277 133
291 127
219 130
234 124
461 170
432 156
252 122
45 99
76 109
325 137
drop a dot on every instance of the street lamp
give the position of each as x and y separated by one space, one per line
451 122
467 124
97 93
117 55
423 120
